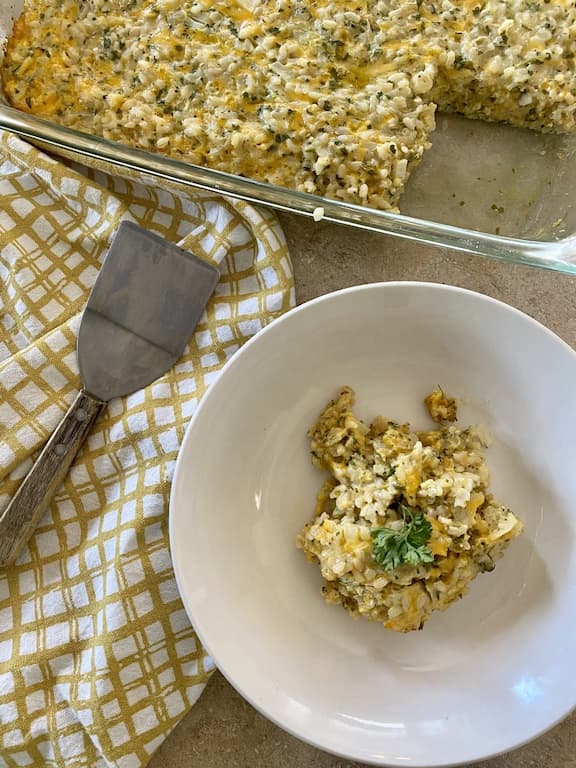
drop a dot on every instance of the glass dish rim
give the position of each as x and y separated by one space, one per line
555 255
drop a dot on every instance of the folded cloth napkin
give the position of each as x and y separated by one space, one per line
98 661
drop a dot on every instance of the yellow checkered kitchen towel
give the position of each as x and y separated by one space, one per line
98 661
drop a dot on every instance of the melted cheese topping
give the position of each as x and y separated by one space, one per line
509 61
332 97
322 97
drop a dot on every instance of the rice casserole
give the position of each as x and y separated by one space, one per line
332 97
405 520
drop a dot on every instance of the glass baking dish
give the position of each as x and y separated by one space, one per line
482 188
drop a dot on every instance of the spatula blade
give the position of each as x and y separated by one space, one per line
141 313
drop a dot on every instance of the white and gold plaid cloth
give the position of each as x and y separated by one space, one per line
98 661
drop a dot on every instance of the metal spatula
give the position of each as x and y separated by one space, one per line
141 312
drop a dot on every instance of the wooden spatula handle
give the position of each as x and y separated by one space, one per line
48 471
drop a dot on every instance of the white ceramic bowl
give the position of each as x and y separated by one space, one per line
495 670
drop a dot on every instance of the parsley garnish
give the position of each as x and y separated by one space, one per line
407 546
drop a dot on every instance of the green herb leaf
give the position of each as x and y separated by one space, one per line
407 546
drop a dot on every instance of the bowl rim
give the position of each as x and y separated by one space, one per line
178 473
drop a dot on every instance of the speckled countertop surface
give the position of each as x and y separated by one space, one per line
223 730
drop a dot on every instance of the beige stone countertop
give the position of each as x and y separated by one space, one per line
224 731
